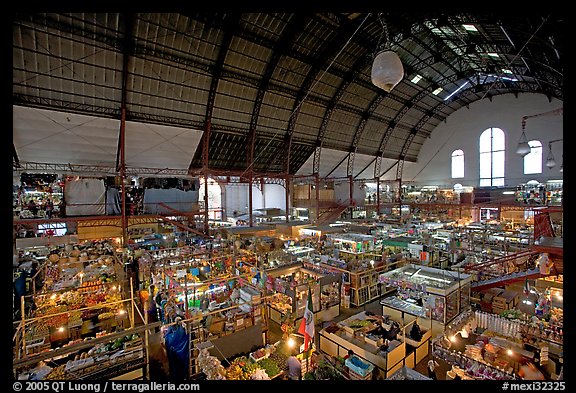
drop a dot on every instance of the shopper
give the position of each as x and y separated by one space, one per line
294 368
432 364
350 354
49 208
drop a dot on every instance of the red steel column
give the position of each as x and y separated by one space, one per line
123 175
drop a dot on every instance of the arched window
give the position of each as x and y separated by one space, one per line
492 156
533 160
457 164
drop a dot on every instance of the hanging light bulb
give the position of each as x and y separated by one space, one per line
562 165
523 147
550 162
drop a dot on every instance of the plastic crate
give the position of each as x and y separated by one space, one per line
359 366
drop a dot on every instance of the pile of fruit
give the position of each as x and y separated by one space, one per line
242 368
112 297
87 286
73 299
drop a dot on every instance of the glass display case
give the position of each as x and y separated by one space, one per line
427 292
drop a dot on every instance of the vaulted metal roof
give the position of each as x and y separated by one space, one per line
281 85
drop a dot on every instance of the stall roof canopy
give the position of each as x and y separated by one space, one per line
270 92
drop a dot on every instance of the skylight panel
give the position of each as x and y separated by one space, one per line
468 27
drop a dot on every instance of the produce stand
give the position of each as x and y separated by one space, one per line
118 355
480 353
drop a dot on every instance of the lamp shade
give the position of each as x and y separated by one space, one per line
387 70
523 147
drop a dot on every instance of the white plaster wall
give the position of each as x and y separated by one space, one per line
237 197
274 196
462 130
342 192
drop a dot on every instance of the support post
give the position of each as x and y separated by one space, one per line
132 324
206 226
251 223
317 184
287 185
377 196
123 176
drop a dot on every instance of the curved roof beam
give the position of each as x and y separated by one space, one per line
332 48
232 20
295 24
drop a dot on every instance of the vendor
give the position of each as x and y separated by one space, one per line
294 368
416 332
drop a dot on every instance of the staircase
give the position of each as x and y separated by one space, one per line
332 213
179 224
505 270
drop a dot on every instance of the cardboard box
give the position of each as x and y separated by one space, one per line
216 327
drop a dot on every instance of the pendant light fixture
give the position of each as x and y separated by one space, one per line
550 162
523 147
387 69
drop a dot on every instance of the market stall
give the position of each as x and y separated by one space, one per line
290 287
360 280
371 338
119 355
428 293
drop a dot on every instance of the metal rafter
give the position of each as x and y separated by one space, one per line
360 129
356 70
280 49
127 49
114 42
232 21
337 165
426 117
326 54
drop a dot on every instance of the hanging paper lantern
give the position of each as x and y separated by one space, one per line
387 70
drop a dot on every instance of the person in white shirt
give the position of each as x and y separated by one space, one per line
432 364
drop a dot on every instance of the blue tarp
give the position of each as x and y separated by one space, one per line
176 340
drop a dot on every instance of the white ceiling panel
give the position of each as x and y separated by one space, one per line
60 138
155 146
65 138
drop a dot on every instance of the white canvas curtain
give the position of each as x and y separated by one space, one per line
85 197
